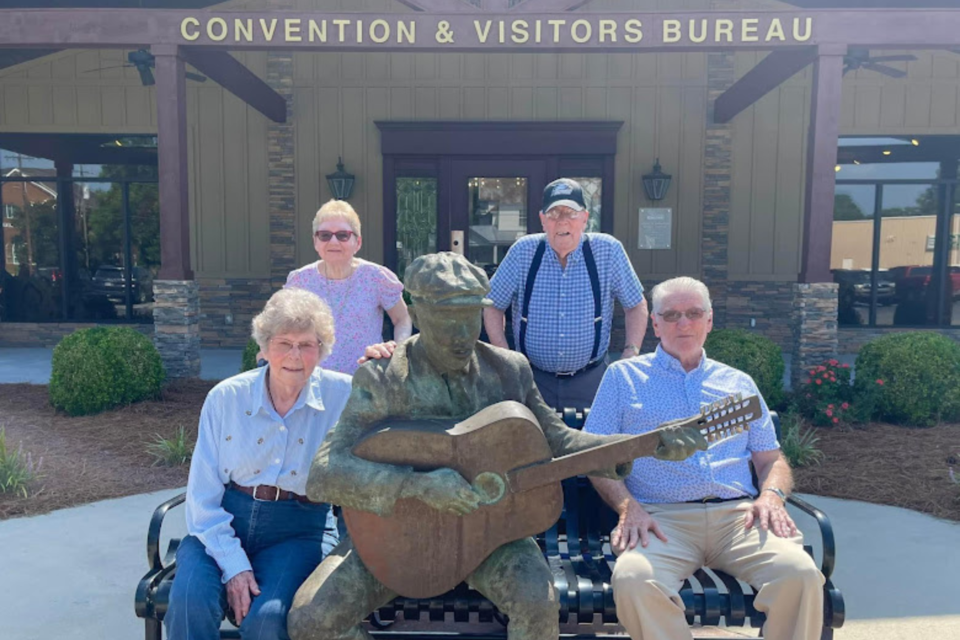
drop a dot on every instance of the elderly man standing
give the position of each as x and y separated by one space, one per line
444 372
704 511
562 299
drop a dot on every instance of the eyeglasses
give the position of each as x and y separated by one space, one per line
283 347
674 315
563 214
327 236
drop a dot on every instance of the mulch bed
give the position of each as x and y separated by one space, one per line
890 465
92 458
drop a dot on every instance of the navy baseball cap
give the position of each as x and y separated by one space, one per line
563 192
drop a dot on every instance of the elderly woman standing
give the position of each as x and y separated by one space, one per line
254 535
357 291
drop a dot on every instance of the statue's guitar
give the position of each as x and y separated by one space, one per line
421 552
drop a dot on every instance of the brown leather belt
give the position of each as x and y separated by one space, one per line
269 493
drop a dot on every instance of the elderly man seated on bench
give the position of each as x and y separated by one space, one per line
704 511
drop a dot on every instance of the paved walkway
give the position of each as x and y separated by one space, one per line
72 573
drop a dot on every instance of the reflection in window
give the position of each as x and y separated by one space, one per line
416 219
851 255
498 217
953 283
593 196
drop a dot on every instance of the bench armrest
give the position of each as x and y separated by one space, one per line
153 534
826 533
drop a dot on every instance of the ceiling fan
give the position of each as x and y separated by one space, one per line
861 59
145 62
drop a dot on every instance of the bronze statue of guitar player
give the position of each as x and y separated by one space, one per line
439 377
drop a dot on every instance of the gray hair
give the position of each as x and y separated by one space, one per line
683 284
294 310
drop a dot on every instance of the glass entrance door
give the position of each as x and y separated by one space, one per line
495 202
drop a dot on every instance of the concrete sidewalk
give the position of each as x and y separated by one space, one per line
72 573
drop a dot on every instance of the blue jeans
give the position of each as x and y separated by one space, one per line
285 542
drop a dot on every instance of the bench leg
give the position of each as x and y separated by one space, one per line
153 629
827 634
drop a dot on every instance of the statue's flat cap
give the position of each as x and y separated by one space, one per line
447 279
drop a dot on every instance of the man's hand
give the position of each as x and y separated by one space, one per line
679 443
241 589
378 351
444 490
770 512
635 526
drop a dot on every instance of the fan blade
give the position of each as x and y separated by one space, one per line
899 58
885 70
146 76
195 77
118 66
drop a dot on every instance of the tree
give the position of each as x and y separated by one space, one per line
42 220
844 208
105 219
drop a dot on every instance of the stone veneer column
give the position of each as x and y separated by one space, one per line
717 169
280 163
176 324
814 326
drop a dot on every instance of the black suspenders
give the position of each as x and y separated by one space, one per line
594 285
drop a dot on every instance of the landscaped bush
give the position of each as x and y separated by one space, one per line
799 444
753 354
250 352
824 397
104 367
910 378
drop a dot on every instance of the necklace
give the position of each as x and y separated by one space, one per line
336 306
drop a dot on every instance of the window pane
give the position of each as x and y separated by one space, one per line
31 237
907 239
954 260
851 255
416 219
498 217
593 196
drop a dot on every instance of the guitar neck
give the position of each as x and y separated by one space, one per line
716 422
582 462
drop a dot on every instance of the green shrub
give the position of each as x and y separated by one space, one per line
799 445
171 452
17 470
825 395
753 354
104 367
250 352
909 378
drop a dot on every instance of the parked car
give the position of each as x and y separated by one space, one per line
109 281
911 282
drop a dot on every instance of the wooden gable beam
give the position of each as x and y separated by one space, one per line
440 6
229 73
769 74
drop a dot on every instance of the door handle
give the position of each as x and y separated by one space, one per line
456 241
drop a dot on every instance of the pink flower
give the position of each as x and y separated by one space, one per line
836 420
819 381
812 371
845 405
829 413
879 382
834 363
821 368
844 366
829 406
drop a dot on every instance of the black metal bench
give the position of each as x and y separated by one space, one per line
578 551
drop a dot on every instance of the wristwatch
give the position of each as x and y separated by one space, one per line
633 347
780 493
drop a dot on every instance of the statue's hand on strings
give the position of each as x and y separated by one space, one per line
679 443
444 490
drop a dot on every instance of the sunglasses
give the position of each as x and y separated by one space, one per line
327 236
674 316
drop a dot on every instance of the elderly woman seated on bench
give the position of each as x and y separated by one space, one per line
254 535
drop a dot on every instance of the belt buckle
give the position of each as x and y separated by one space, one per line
276 494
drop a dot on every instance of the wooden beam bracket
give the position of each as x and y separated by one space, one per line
769 74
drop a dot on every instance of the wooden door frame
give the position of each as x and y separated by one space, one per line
565 145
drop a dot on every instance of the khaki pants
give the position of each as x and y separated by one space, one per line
646 581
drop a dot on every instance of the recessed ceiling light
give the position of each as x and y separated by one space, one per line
887 152
914 142
837 168
856 162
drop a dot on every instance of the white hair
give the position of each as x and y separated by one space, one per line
683 284
294 310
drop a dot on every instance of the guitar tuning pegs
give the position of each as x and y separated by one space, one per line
739 397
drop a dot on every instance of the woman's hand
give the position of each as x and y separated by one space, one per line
241 590
378 351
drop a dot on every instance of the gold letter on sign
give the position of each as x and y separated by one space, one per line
407 31
521 31
586 36
212 34
748 30
193 22
796 29
482 35
633 29
384 28
775 31
671 31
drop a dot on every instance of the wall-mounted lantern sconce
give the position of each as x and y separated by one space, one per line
656 183
340 182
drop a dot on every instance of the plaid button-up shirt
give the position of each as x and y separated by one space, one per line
560 324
